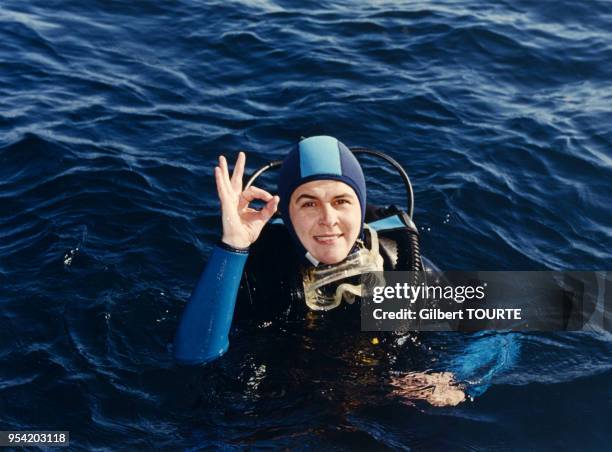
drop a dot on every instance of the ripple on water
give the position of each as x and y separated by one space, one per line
111 119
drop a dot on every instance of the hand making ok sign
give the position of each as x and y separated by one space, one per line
241 224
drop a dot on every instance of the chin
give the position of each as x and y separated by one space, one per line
332 257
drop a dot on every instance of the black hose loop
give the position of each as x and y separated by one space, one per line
355 150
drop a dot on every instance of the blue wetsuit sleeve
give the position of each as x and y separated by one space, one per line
202 335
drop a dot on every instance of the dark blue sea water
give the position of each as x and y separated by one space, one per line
112 114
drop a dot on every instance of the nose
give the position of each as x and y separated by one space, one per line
327 215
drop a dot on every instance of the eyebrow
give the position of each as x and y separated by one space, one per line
306 196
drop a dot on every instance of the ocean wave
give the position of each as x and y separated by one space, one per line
112 116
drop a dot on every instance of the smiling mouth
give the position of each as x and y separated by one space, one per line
327 239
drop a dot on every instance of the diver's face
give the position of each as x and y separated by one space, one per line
326 216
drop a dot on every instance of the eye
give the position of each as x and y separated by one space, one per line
308 204
342 201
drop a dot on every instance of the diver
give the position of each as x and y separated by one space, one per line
309 258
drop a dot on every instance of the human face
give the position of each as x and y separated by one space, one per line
326 216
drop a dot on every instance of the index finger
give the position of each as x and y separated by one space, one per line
252 193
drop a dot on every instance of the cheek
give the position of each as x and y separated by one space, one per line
354 222
354 235
301 224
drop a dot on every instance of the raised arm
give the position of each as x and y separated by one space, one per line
202 335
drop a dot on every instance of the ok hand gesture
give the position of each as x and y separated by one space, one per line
241 224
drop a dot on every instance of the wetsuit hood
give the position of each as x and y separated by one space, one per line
319 158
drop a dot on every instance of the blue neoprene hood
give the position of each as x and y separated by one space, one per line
318 158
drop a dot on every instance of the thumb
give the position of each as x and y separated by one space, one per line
270 208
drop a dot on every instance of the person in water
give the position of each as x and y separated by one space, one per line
322 200
322 203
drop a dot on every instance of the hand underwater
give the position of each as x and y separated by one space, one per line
241 224
439 389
